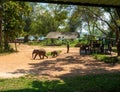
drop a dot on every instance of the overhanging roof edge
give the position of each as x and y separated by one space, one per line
71 3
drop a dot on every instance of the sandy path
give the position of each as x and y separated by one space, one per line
66 64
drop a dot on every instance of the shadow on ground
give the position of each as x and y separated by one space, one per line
71 65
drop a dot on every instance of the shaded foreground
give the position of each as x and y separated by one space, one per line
88 83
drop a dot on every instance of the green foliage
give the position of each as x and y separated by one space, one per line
73 42
75 20
9 51
13 17
114 49
106 59
88 83
47 18
1 49
47 42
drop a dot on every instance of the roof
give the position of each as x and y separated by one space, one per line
103 3
62 35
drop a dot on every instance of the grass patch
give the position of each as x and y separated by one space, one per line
8 52
89 83
34 43
114 49
105 58
49 53
47 42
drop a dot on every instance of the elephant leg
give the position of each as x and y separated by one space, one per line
46 56
43 56
40 56
35 55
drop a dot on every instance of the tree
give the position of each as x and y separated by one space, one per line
47 18
75 20
118 31
0 26
94 19
113 25
13 20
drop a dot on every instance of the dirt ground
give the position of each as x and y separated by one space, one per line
66 64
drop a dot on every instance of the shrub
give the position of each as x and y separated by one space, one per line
105 58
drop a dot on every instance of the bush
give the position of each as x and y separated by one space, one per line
105 58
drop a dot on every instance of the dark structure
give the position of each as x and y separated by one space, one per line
98 3
102 45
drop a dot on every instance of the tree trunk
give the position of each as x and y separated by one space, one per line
52 41
118 33
0 29
118 48
16 47
118 41
26 38
6 45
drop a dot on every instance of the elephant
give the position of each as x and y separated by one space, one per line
54 53
40 52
